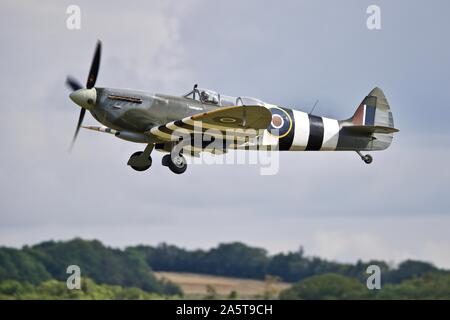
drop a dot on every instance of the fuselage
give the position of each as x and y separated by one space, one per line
134 113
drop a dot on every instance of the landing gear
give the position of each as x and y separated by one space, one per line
141 160
140 164
366 158
176 164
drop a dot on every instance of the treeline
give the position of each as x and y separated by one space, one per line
132 267
239 260
57 290
49 260
333 286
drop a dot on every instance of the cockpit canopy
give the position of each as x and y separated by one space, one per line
212 97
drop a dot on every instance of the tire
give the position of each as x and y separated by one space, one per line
165 160
177 167
141 168
368 159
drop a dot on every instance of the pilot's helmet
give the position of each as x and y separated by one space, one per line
204 95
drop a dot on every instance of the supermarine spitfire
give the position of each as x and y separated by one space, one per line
206 121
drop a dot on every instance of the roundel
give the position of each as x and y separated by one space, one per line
226 119
281 123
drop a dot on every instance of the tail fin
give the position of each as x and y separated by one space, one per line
374 110
372 119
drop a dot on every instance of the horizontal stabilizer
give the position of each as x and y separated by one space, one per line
370 129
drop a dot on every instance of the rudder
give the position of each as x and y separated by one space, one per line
371 127
374 110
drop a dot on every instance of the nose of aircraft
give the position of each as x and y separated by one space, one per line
85 98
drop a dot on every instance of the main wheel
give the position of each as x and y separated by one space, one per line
177 165
140 168
368 159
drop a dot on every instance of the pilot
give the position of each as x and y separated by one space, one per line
204 96
208 98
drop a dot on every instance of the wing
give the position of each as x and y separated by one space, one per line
229 127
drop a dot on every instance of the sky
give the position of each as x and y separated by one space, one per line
289 53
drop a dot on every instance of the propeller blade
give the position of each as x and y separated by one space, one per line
80 121
73 83
92 78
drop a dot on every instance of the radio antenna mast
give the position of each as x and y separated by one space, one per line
314 106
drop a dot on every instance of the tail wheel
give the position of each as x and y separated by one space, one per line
140 168
177 164
368 159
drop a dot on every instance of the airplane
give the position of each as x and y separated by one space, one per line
217 123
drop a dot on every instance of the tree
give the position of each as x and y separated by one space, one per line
410 269
211 293
429 286
236 259
49 260
269 290
326 286
20 265
54 290
233 295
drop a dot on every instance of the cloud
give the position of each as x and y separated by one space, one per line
284 54
384 238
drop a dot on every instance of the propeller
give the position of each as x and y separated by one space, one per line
75 85
94 66
80 121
